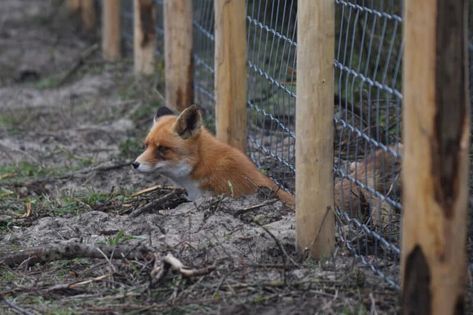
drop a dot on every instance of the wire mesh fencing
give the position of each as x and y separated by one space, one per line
127 25
203 22
368 101
271 33
159 29
367 117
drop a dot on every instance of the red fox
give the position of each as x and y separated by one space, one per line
180 148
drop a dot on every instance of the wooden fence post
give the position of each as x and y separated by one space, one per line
111 34
88 14
435 165
178 64
231 72
144 36
315 220
73 5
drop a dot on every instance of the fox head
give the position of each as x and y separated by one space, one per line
171 145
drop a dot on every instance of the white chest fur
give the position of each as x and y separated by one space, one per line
180 174
191 186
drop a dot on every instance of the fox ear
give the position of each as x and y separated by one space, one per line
163 111
189 122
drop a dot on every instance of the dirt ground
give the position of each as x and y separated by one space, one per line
70 124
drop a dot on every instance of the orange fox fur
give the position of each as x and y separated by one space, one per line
182 149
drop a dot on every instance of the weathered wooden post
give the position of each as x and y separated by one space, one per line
435 165
179 88
111 33
73 5
231 72
315 220
88 15
144 36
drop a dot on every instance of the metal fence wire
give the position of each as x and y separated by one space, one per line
127 25
159 29
203 52
271 33
367 103
368 56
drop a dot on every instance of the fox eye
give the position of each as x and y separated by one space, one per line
145 146
162 150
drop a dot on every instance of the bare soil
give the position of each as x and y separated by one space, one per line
70 124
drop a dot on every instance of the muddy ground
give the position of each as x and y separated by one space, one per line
70 124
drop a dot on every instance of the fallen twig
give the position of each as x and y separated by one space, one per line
150 206
150 189
77 284
254 207
162 266
71 250
14 307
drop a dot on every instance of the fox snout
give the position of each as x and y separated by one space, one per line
144 166
140 167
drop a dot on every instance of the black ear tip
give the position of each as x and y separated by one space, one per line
163 111
195 108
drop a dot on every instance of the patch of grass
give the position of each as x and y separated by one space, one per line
48 82
13 204
130 148
24 169
6 275
5 192
359 309
95 197
81 202
130 91
76 204
5 226
63 207
119 238
6 121
46 306
259 299
11 122
82 161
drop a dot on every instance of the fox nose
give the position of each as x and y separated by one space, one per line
135 165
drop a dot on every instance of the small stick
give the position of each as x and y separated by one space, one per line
15 307
150 206
71 250
254 207
76 284
169 261
146 190
153 188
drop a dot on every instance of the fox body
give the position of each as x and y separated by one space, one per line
180 148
